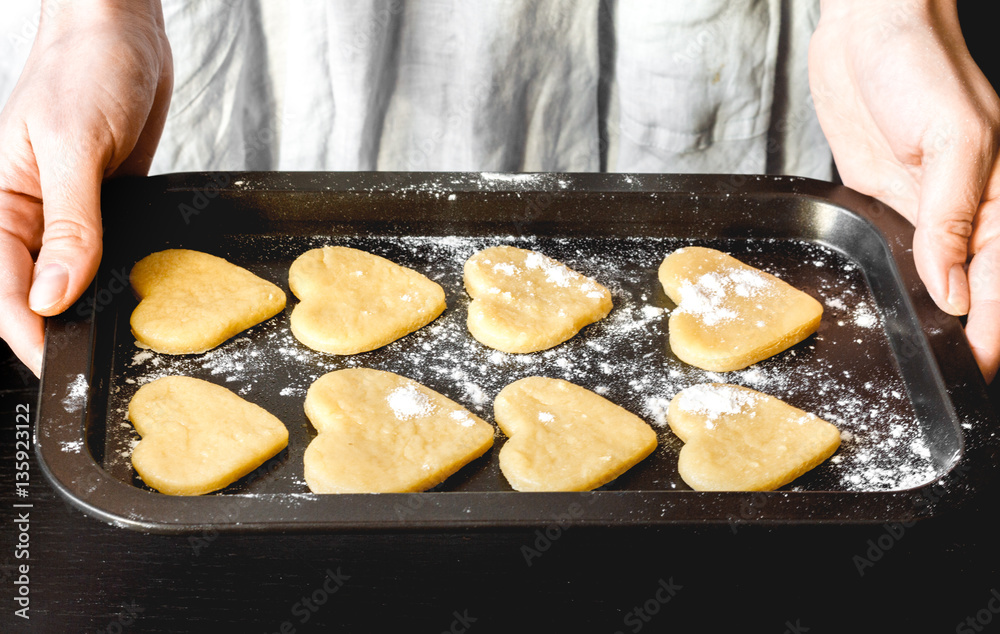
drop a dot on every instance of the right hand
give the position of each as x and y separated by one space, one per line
912 121
90 103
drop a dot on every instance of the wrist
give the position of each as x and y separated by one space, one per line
886 13
881 19
75 14
865 7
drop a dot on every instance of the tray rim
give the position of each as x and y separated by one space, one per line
81 481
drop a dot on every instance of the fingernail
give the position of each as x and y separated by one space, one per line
49 287
958 289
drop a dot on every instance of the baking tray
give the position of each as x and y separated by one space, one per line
894 373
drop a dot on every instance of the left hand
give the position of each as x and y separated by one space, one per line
913 122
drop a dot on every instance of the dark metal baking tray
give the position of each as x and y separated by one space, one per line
894 373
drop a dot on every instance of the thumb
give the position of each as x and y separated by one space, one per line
950 190
71 238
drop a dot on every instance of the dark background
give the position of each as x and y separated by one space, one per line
940 575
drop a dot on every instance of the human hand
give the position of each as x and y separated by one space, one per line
90 103
912 121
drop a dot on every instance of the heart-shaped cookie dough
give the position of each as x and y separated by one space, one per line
563 437
738 439
354 301
730 315
384 433
523 301
193 301
199 437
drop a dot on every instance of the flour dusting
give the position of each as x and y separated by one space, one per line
76 394
843 373
408 402
713 401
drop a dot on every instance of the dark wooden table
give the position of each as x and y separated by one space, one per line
85 575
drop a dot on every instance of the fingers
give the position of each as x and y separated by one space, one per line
950 191
986 227
71 242
20 327
983 325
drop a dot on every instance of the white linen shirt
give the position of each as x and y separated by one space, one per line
482 85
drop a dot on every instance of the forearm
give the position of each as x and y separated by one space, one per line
59 11
62 18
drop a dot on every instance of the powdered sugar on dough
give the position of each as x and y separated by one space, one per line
556 273
623 357
713 401
707 295
408 402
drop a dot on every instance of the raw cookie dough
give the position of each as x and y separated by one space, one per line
199 437
354 301
523 301
193 301
566 438
384 433
738 439
730 315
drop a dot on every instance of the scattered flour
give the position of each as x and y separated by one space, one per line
74 446
505 267
555 272
865 319
713 401
624 357
656 408
142 356
407 402
76 394
463 418
706 297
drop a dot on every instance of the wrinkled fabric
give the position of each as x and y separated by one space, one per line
497 85
18 26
